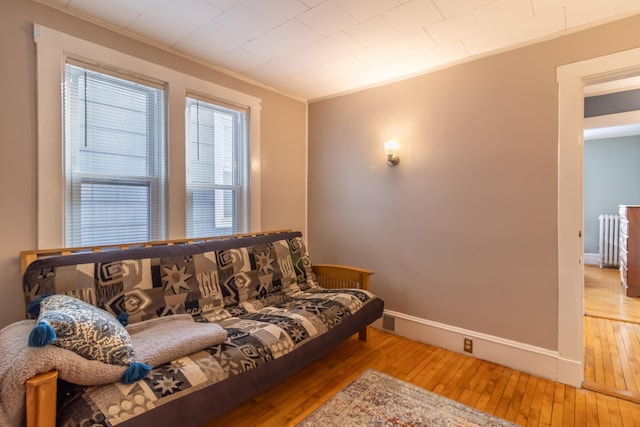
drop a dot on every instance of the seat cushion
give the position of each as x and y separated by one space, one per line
297 330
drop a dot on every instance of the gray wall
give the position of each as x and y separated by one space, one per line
464 230
611 178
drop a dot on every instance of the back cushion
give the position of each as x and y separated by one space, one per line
193 279
305 277
255 271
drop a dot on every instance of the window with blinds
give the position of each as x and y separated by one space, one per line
114 141
217 146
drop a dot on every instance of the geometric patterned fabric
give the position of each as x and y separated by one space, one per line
200 279
257 334
261 289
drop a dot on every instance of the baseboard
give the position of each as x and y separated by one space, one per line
513 354
592 259
570 372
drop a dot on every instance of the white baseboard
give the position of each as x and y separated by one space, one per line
593 259
513 354
570 372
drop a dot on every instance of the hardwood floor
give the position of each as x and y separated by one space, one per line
612 336
516 396
605 297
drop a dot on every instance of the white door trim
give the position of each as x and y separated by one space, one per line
571 79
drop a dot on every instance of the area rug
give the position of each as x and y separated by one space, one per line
375 399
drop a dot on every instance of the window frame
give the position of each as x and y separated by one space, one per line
51 48
155 179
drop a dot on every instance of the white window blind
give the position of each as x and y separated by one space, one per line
114 140
217 168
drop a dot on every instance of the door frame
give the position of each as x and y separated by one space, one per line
571 80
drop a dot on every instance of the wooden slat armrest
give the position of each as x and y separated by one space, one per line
342 276
347 268
41 395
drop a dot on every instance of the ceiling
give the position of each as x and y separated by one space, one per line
312 49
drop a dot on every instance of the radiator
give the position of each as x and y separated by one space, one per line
608 242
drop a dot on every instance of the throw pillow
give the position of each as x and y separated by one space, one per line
86 330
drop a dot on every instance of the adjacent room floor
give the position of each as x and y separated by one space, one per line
612 335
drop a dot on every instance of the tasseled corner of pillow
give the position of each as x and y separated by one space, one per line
42 334
123 318
135 372
33 309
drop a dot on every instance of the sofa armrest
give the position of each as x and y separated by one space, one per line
341 276
41 395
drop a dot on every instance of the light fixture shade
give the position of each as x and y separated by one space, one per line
391 149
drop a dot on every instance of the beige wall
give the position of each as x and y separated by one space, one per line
464 230
283 136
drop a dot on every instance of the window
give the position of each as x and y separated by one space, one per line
114 144
217 168
98 168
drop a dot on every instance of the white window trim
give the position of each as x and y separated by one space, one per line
51 48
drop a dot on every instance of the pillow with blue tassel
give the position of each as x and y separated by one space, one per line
86 330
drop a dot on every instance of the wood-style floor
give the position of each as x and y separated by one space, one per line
612 336
605 297
516 396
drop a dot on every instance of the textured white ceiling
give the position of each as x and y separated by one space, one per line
317 48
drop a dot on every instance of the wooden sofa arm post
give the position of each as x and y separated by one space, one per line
41 395
340 277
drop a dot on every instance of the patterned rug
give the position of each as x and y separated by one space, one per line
375 399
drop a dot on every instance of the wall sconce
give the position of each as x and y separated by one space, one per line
391 149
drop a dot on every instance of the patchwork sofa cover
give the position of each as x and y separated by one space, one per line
261 289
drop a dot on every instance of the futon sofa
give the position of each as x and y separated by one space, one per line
277 313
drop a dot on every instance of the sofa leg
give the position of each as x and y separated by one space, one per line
40 399
362 335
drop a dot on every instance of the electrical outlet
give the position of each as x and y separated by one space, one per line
468 345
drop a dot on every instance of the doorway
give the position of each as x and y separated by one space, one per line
571 81
611 156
